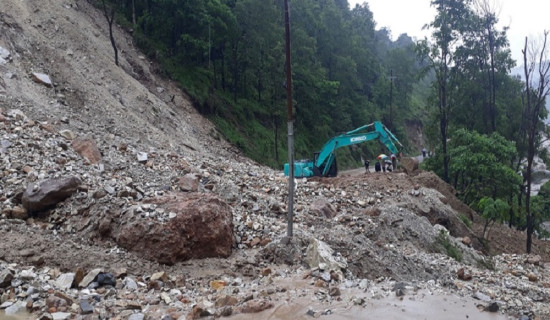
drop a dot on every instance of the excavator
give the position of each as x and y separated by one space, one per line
324 161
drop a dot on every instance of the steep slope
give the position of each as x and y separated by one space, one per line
359 241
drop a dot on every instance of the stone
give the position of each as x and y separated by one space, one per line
492 307
49 193
142 157
217 284
409 164
87 148
136 316
67 134
321 207
86 307
534 259
159 276
65 281
188 183
202 228
532 277
106 279
14 309
42 78
255 306
5 278
462 275
334 291
226 300
319 253
16 212
89 278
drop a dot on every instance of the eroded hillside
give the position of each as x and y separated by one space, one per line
149 214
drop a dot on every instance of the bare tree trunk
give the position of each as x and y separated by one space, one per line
110 19
134 13
535 98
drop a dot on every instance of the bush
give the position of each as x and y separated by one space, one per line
452 250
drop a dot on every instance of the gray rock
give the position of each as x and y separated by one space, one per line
49 193
61 315
42 78
5 278
86 307
65 280
137 316
89 278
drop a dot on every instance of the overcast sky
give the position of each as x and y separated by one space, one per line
525 18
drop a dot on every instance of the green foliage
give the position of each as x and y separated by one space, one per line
465 220
451 250
493 210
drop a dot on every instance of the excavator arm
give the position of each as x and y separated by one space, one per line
324 162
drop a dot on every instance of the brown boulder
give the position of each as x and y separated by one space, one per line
189 182
323 208
87 148
49 193
255 306
409 164
202 228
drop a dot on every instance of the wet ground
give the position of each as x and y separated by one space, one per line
417 307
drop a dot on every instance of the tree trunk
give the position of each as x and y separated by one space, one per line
110 19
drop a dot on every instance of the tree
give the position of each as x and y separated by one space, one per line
492 211
480 165
536 89
451 22
110 16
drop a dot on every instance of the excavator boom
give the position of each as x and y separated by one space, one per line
324 161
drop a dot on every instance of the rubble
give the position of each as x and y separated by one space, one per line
119 201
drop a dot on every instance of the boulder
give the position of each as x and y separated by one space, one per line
409 164
87 148
189 182
323 208
49 193
202 228
320 255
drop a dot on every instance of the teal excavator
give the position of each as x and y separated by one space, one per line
324 161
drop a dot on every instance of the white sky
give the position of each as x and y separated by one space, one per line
524 17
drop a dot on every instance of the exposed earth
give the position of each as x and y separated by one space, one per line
119 201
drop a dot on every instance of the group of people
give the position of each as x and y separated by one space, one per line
386 165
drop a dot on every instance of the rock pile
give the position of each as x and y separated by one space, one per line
118 201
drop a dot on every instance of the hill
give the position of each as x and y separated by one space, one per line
119 201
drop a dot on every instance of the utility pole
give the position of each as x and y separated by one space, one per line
391 95
290 125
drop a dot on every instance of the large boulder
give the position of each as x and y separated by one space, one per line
202 227
322 208
50 192
409 164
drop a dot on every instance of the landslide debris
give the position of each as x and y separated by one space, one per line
158 188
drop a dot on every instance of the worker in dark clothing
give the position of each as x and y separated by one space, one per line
393 161
367 163
377 167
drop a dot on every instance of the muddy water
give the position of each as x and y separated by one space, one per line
417 307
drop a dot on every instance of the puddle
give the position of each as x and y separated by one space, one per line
17 316
418 307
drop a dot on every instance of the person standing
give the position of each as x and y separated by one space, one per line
367 164
377 167
424 152
393 161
